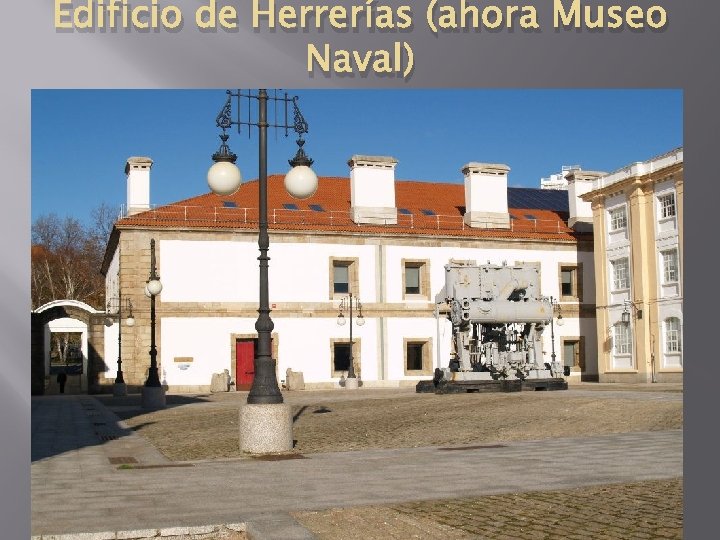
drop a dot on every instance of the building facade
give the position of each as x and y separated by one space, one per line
383 240
638 234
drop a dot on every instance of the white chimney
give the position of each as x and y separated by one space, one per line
579 183
372 190
137 170
486 199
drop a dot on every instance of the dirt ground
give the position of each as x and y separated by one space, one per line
206 427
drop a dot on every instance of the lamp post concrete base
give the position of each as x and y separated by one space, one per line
153 397
119 389
266 428
351 383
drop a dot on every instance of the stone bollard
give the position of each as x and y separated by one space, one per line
294 380
220 382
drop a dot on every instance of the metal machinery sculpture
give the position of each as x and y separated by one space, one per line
498 317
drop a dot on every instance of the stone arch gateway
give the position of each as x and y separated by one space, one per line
81 326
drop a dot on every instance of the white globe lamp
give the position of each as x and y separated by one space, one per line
224 177
154 287
301 182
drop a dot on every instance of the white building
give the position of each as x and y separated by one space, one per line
384 240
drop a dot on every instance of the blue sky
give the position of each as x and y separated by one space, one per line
82 138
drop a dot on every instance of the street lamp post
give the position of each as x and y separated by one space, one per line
120 388
351 381
153 394
560 322
265 402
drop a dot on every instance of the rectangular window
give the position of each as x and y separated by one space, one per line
672 335
341 356
618 218
573 352
341 278
415 278
569 353
412 279
414 356
566 282
622 339
341 353
667 205
571 282
621 274
418 356
670 266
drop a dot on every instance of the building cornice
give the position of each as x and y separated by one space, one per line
632 181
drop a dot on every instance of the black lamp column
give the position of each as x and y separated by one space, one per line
153 378
119 388
552 332
265 387
119 379
348 302
224 178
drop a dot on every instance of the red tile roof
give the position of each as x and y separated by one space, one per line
446 201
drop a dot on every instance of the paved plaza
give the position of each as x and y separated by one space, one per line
91 474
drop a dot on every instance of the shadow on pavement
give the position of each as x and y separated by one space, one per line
66 423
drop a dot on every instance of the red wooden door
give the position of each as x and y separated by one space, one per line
244 363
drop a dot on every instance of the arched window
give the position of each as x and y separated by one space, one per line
672 335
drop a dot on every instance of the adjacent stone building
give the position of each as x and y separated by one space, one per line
638 216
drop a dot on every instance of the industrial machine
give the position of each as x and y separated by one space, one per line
498 316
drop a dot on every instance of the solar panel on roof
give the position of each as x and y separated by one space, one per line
428 212
290 206
316 207
530 216
229 204
404 211
541 199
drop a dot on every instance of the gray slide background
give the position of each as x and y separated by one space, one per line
684 55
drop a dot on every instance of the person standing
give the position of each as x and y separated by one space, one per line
62 379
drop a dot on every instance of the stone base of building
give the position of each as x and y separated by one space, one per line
634 378
675 377
266 428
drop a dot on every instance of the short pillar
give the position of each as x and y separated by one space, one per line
266 428
119 389
153 397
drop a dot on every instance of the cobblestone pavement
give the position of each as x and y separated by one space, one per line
642 510
329 421
79 484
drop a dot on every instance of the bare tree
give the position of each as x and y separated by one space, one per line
66 257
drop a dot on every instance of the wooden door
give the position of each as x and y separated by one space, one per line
244 363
